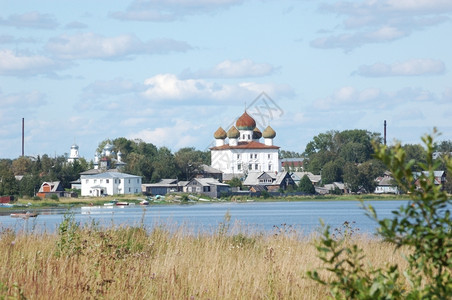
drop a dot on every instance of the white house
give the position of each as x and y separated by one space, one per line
244 153
110 183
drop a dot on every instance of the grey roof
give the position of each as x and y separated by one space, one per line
229 176
209 169
280 177
298 175
209 181
252 178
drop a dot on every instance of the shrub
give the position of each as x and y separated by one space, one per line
423 226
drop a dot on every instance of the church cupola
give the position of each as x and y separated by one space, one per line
233 135
220 135
269 134
257 134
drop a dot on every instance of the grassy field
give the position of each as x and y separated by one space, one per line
166 263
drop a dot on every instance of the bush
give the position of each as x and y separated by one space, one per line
423 226
54 197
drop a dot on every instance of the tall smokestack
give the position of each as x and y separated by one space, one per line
23 129
385 133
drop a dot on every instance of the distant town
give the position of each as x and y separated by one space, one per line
244 160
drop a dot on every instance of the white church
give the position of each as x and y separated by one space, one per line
240 150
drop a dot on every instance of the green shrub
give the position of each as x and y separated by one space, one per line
423 226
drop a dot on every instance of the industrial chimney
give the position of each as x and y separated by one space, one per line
385 132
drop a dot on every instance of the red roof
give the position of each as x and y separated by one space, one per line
245 145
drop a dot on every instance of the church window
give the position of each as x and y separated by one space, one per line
239 167
255 155
107 180
238 156
256 166
251 155
249 136
269 156
269 167
250 167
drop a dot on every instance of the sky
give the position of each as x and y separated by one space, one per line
170 72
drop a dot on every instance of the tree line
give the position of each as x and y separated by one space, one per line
141 158
348 156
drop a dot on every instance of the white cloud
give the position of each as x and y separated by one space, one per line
380 21
94 46
413 67
350 41
13 64
170 87
181 134
111 87
170 10
232 69
348 99
34 20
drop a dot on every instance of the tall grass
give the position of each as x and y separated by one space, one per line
166 263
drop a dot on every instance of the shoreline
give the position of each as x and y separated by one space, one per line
24 204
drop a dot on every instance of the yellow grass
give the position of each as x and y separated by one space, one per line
130 263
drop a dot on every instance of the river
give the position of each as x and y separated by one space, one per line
266 217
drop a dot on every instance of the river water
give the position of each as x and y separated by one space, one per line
268 217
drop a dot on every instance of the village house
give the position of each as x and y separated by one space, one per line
164 187
297 176
208 186
109 183
48 189
386 184
271 180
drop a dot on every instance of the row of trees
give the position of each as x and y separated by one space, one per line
142 159
348 156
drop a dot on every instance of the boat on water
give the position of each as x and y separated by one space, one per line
24 215
144 202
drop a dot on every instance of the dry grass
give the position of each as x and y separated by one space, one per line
130 263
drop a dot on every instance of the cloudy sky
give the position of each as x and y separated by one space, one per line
170 72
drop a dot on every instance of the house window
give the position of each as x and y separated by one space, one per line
107 180
251 155
238 156
269 156
249 136
256 166
249 167
119 180
269 167
129 190
129 180
206 189
239 167
243 136
255 155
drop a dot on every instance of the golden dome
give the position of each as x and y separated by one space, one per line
245 122
269 133
233 133
220 134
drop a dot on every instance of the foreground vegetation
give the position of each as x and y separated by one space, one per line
168 263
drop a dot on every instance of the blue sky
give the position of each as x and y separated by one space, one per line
171 72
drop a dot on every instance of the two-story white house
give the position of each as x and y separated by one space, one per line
109 183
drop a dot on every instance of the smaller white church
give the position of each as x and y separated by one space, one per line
240 150
74 154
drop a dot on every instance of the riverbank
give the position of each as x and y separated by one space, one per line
27 204
168 263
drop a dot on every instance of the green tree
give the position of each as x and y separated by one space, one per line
332 172
423 227
235 182
8 183
305 185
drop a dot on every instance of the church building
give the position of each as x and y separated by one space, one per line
240 150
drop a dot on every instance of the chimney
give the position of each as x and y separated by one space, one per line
385 132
